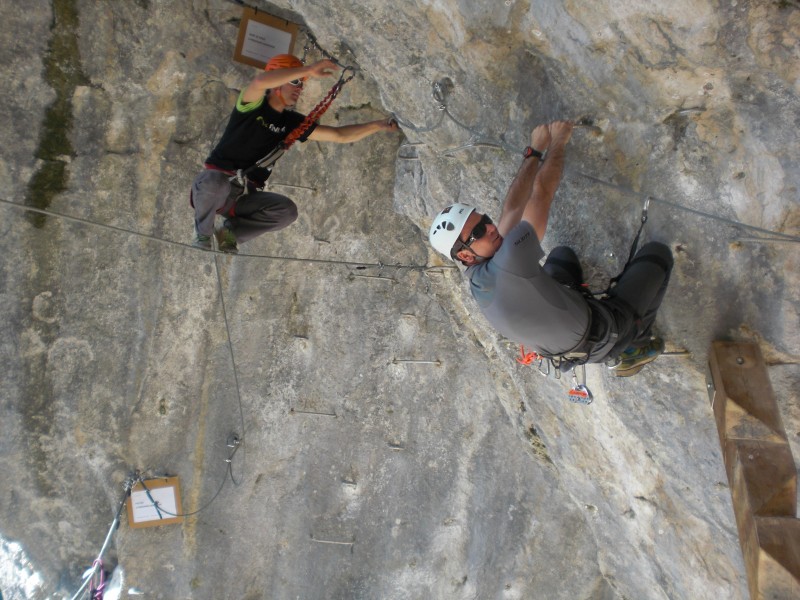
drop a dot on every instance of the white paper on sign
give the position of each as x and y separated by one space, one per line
143 509
262 42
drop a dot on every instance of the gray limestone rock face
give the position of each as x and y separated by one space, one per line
393 446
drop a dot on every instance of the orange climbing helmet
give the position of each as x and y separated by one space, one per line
283 61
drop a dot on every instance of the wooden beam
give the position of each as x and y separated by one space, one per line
760 468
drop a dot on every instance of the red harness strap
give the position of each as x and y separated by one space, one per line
317 112
211 167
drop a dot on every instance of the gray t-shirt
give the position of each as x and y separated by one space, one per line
523 302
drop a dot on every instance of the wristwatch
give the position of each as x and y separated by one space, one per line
528 152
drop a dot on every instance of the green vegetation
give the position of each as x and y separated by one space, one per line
62 70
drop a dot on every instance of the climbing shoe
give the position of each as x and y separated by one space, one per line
226 241
632 360
202 241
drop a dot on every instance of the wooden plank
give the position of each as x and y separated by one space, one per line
763 478
740 376
760 468
779 560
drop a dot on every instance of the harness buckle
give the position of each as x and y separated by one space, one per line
241 180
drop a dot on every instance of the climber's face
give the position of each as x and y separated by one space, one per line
290 92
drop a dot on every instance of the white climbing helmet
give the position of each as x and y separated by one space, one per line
447 226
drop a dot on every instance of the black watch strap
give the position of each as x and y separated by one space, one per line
528 152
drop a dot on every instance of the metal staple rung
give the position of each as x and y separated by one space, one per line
759 240
290 185
396 361
311 412
313 539
392 279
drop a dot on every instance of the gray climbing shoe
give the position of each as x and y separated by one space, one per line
202 241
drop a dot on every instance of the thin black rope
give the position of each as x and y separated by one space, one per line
356 264
234 443
160 509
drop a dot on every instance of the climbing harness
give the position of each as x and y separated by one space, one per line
576 359
579 393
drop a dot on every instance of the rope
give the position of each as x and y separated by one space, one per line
96 592
234 443
439 95
315 44
235 377
160 509
354 264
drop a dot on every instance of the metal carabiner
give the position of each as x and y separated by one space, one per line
644 209
539 366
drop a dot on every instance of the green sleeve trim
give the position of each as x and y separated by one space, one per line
243 108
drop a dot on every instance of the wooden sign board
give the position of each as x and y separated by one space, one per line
141 510
262 36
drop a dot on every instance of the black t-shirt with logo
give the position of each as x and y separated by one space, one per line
253 131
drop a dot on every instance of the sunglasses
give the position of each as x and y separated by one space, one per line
296 83
478 231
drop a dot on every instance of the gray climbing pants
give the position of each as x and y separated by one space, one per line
626 317
247 216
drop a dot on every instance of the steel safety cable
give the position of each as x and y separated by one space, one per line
160 509
235 375
439 95
346 263
778 236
